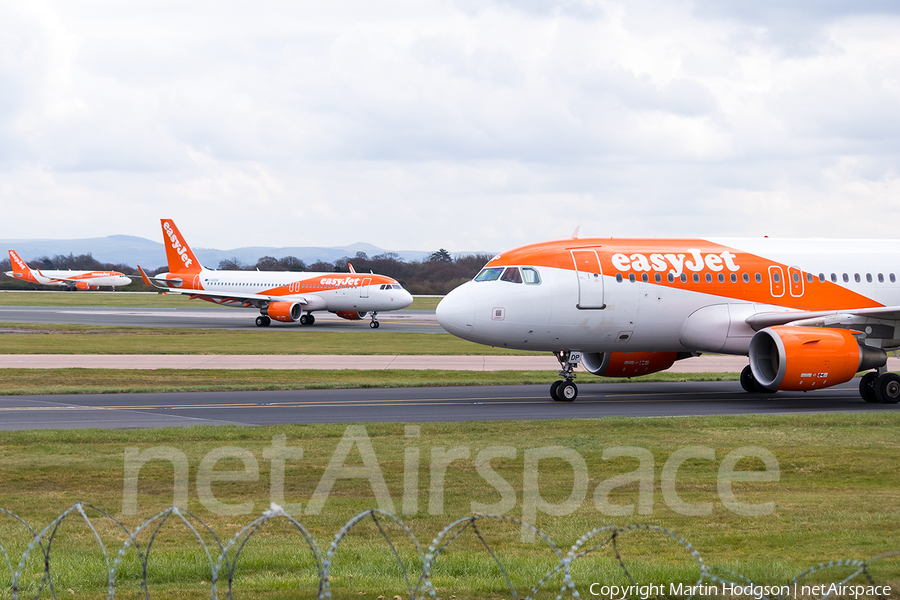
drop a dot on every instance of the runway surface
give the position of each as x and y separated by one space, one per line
492 403
213 317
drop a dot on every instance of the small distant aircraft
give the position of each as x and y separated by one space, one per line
74 280
809 314
285 296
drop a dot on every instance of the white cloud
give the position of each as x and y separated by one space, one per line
477 126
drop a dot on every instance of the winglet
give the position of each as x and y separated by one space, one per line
144 276
352 270
179 255
575 233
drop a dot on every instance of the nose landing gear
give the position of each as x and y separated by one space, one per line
374 324
565 390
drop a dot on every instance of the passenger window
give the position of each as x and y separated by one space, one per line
834 277
776 277
671 278
684 278
709 278
696 278
645 278
869 277
657 278
746 278
512 275
846 278
531 276
856 277
881 278
734 278
631 277
619 277
758 278
489 274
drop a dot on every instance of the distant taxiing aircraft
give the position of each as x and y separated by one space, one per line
74 280
809 314
285 296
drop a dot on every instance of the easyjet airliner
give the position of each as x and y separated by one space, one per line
75 280
285 296
809 314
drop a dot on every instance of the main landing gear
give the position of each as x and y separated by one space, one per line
307 319
263 321
751 385
880 386
565 390
374 324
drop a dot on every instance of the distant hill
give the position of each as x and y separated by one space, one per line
131 250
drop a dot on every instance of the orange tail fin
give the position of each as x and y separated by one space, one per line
19 269
180 256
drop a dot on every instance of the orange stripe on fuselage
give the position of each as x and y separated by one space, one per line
661 256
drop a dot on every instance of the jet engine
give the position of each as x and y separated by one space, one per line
352 315
84 285
627 364
286 312
808 358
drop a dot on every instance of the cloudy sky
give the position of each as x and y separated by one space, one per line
463 124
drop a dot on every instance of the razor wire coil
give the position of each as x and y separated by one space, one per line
223 557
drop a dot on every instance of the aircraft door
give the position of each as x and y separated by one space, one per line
364 288
590 279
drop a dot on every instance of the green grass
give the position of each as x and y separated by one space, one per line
18 338
137 300
110 381
838 497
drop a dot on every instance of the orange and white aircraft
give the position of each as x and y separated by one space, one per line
281 295
809 314
75 280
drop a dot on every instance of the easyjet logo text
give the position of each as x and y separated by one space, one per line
22 266
333 281
676 264
180 248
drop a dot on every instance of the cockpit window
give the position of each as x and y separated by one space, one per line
531 275
489 274
512 275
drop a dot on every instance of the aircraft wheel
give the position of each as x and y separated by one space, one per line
374 324
747 380
304 319
312 319
567 391
262 321
867 387
554 388
887 388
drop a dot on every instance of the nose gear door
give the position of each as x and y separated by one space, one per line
590 279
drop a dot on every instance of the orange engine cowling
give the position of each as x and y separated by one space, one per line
627 364
352 315
286 312
84 285
808 358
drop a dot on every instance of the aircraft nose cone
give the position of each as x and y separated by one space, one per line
456 313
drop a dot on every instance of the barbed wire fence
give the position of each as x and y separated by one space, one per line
223 557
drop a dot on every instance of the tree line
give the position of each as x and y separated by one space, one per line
437 274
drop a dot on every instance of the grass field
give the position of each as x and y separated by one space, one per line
110 381
837 496
24 338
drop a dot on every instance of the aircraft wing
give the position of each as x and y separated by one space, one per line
824 317
257 300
